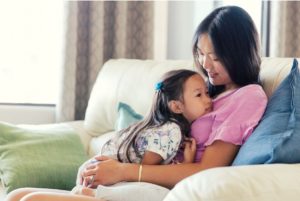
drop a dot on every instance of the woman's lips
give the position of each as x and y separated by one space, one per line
212 75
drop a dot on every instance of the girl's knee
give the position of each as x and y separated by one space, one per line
32 196
18 194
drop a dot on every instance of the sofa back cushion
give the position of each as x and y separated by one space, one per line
124 80
132 82
276 139
273 71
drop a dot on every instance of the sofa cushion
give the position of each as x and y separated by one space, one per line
126 116
45 156
277 137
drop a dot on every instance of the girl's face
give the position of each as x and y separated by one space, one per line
217 73
196 101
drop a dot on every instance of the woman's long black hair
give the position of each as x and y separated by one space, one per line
236 44
171 88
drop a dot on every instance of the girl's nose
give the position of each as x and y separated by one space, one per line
208 100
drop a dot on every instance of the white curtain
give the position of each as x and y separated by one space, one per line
285 29
98 31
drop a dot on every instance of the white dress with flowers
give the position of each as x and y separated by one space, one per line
163 140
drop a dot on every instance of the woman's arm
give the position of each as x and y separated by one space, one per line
109 171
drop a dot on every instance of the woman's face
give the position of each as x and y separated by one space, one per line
217 73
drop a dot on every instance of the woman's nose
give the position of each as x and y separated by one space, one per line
206 63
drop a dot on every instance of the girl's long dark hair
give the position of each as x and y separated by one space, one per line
236 44
172 85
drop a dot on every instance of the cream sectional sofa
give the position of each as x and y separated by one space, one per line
132 82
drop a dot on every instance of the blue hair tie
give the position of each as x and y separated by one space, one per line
158 86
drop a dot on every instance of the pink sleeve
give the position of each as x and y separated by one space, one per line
235 121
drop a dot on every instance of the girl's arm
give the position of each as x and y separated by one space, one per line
151 158
110 171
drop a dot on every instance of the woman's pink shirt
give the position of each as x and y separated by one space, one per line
233 119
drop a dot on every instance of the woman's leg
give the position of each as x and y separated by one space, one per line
17 194
54 196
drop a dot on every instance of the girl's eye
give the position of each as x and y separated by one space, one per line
198 95
215 59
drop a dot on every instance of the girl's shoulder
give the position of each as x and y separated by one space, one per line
164 128
169 126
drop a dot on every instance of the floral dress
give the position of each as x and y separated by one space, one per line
163 140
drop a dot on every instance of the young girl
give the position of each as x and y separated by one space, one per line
180 98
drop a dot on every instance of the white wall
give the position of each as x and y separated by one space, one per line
27 114
183 19
175 24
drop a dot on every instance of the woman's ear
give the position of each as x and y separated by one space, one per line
175 106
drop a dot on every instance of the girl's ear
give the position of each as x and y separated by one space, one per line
175 106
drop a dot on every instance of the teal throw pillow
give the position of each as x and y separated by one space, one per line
126 116
277 137
44 156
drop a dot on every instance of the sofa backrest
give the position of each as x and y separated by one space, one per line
273 71
132 82
124 80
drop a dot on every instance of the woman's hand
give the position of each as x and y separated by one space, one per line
82 190
106 172
189 150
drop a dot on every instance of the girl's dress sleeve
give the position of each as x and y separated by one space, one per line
164 141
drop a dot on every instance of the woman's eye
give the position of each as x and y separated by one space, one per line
198 95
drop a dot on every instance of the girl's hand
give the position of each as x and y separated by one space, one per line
79 179
189 150
106 172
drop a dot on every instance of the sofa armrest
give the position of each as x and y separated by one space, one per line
257 183
83 134
91 144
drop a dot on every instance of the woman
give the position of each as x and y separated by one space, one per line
226 48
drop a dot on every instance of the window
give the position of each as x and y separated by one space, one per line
32 34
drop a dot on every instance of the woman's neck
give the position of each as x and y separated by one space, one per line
230 87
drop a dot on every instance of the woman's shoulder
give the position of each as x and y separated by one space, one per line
252 88
250 97
251 92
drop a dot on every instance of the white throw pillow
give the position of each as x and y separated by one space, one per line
277 182
132 191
